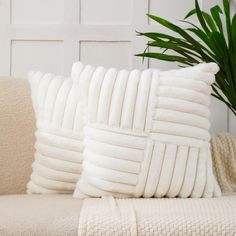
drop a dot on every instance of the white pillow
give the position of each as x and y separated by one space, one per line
146 133
58 155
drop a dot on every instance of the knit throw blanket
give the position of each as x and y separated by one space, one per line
223 148
158 216
208 216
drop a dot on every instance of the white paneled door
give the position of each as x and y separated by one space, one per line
49 35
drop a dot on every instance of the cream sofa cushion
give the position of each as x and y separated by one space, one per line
17 127
146 133
58 155
39 215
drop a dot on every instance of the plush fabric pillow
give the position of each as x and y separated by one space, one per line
146 133
58 156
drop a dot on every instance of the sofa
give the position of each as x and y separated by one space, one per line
60 215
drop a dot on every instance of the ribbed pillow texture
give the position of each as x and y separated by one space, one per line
59 137
138 133
146 132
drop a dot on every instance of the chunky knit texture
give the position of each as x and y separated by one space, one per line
223 147
146 133
58 156
162 217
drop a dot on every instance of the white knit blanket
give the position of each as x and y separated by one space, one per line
129 217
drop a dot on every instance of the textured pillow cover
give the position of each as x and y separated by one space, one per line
146 133
58 155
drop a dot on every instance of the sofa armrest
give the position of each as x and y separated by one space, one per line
17 128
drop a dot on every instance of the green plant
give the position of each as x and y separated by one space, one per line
207 42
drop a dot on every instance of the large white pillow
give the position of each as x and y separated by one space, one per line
58 156
146 132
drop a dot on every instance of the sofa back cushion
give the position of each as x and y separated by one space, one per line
17 127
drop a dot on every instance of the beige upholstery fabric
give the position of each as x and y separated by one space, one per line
39 215
16 135
162 217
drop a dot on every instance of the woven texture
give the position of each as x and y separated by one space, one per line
162 217
224 160
146 132
58 155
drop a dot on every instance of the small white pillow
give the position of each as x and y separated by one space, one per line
146 133
58 156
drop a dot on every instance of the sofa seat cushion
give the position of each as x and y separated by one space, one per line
39 215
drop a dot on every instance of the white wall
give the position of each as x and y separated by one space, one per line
49 35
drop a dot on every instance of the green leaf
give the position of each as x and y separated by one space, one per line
228 23
209 21
215 12
200 17
205 38
175 47
233 29
157 36
161 56
192 12
181 32
206 16
233 56
220 43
